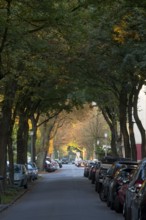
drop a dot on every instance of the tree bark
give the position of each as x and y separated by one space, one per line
111 121
131 128
22 138
138 121
123 122
34 121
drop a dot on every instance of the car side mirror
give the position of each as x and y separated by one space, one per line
109 176
126 181
132 189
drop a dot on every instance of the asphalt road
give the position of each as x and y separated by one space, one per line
61 195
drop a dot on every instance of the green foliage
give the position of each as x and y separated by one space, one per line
60 54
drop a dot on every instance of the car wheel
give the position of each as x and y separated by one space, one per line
101 195
92 181
141 215
108 200
95 186
112 205
99 186
127 215
117 205
25 186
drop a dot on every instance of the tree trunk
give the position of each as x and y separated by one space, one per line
131 129
110 118
6 125
138 122
123 122
11 160
34 121
22 138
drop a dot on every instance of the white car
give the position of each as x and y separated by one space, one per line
20 175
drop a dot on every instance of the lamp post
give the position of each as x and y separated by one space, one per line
58 154
31 133
94 151
105 135
98 142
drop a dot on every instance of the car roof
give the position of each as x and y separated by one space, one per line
105 165
127 162
112 159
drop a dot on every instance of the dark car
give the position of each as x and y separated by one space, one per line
120 196
120 176
103 194
64 160
49 166
134 186
99 175
138 204
92 171
87 167
111 159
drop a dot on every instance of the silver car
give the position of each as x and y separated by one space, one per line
20 175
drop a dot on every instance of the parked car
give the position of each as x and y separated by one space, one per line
59 162
111 159
138 204
31 172
99 176
64 160
120 176
35 169
120 196
20 175
80 163
51 166
133 188
103 194
93 170
87 166
55 164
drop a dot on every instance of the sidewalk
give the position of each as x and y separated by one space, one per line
5 206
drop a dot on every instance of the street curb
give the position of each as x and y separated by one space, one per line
4 207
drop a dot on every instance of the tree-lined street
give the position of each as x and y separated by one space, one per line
61 195
71 78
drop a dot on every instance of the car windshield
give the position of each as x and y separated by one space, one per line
29 167
17 169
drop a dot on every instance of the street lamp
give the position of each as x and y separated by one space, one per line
31 133
105 135
58 154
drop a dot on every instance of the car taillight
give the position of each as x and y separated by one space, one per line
120 182
138 183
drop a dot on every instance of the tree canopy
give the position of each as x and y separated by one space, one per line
55 55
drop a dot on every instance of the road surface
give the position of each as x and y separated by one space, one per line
61 195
